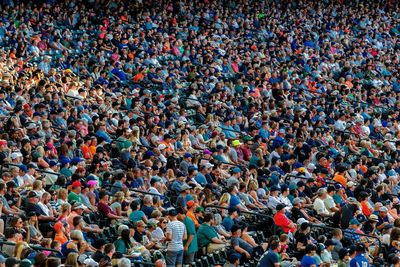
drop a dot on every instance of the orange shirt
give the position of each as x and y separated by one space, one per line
365 207
60 237
340 179
191 215
87 154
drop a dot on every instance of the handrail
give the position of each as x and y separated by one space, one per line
242 211
221 162
347 231
135 190
39 170
142 263
305 178
35 247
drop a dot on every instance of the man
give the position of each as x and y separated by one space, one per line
74 195
230 220
359 260
383 218
123 142
337 236
274 199
190 246
99 245
233 260
104 208
182 198
351 232
185 163
271 257
191 207
208 237
109 250
319 205
235 177
282 221
175 233
45 225
243 247
235 200
326 255
329 202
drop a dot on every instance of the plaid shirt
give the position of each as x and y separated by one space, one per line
352 235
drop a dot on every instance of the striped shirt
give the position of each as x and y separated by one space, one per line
177 230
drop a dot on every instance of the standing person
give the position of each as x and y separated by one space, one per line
359 260
190 246
176 233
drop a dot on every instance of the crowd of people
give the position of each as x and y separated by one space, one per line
156 131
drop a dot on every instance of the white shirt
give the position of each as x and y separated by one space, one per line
319 206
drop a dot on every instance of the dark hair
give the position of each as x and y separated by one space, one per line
208 217
125 237
309 248
108 248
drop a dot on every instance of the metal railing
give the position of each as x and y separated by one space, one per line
32 246
38 170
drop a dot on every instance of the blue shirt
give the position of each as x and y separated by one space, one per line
307 261
359 261
268 259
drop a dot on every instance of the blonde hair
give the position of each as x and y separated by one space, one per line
64 207
253 185
63 192
72 260
225 198
19 248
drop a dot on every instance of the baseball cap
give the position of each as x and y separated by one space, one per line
78 205
280 206
190 204
58 226
354 221
185 187
32 194
383 209
76 184
373 218
234 257
187 155
236 170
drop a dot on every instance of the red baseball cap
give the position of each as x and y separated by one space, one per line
76 184
190 204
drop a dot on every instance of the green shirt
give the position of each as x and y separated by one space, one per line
205 234
74 197
123 143
191 230
120 246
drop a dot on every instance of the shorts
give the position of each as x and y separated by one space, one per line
174 258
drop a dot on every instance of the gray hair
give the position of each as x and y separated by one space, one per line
124 262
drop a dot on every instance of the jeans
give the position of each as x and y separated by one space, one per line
174 258
189 258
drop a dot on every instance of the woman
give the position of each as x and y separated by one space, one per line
136 214
308 259
224 202
159 232
117 202
123 244
20 248
72 260
33 227
65 211
17 223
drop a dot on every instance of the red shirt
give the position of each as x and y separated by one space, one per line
282 221
104 209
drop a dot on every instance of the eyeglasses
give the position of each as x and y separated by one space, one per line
164 222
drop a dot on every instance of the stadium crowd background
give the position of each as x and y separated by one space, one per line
254 133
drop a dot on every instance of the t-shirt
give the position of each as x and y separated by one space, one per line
148 210
74 197
178 230
319 206
228 222
104 209
268 259
237 241
359 261
282 221
307 261
137 215
191 230
205 234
